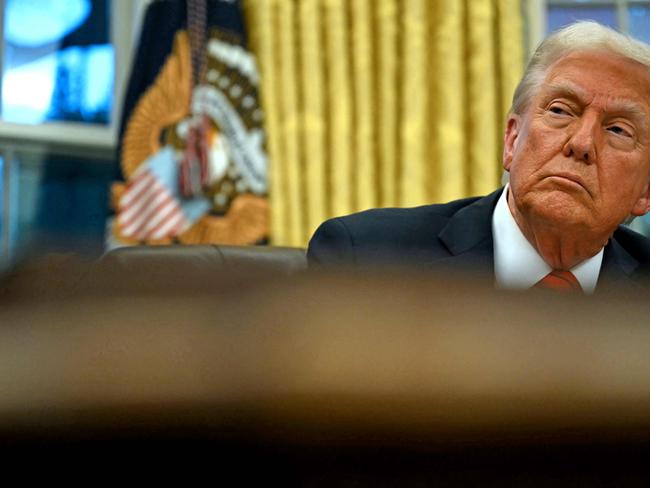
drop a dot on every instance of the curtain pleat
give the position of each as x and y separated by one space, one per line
264 34
312 80
448 92
290 111
339 102
414 90
364 160
510 49
483 159
386 79
381 102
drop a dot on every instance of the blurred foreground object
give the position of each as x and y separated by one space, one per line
323 379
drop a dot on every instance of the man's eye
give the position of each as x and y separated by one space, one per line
617 129
558 110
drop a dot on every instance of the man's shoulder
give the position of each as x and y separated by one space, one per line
383 234
405 217
635 244
626 262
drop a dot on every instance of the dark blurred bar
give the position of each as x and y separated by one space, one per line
321 379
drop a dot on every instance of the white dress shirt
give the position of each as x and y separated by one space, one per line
517 265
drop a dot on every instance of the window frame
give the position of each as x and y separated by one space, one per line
68 138
536 19
125 15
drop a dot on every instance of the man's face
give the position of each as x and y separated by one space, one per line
579 158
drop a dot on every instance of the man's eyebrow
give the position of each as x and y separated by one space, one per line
566 90
621 106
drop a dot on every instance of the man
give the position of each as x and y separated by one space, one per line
577 147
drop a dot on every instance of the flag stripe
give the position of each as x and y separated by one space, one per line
155 215
167 206
140 208
168 225
133 190
148 210
136 202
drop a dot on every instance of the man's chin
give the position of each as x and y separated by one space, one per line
558 208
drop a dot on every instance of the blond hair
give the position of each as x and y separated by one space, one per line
579 36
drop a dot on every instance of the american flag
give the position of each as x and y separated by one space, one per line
151 207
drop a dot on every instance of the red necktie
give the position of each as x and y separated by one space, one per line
562 281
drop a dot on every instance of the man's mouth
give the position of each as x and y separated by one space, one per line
570 179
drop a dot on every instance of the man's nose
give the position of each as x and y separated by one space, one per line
581 144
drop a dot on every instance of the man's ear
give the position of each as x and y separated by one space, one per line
510 139
642 205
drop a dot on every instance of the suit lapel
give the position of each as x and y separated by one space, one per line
468 236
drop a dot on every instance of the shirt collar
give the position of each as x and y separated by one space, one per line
517 265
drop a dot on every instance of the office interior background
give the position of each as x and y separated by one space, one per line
64 65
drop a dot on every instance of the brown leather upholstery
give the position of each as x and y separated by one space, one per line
150 269
179 268
283 259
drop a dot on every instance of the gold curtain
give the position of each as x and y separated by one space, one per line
381 102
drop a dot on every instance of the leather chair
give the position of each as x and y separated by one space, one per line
150 269
285 260
193 268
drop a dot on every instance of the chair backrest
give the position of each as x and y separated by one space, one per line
178 267
283 259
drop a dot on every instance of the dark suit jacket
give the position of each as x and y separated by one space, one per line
454 236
